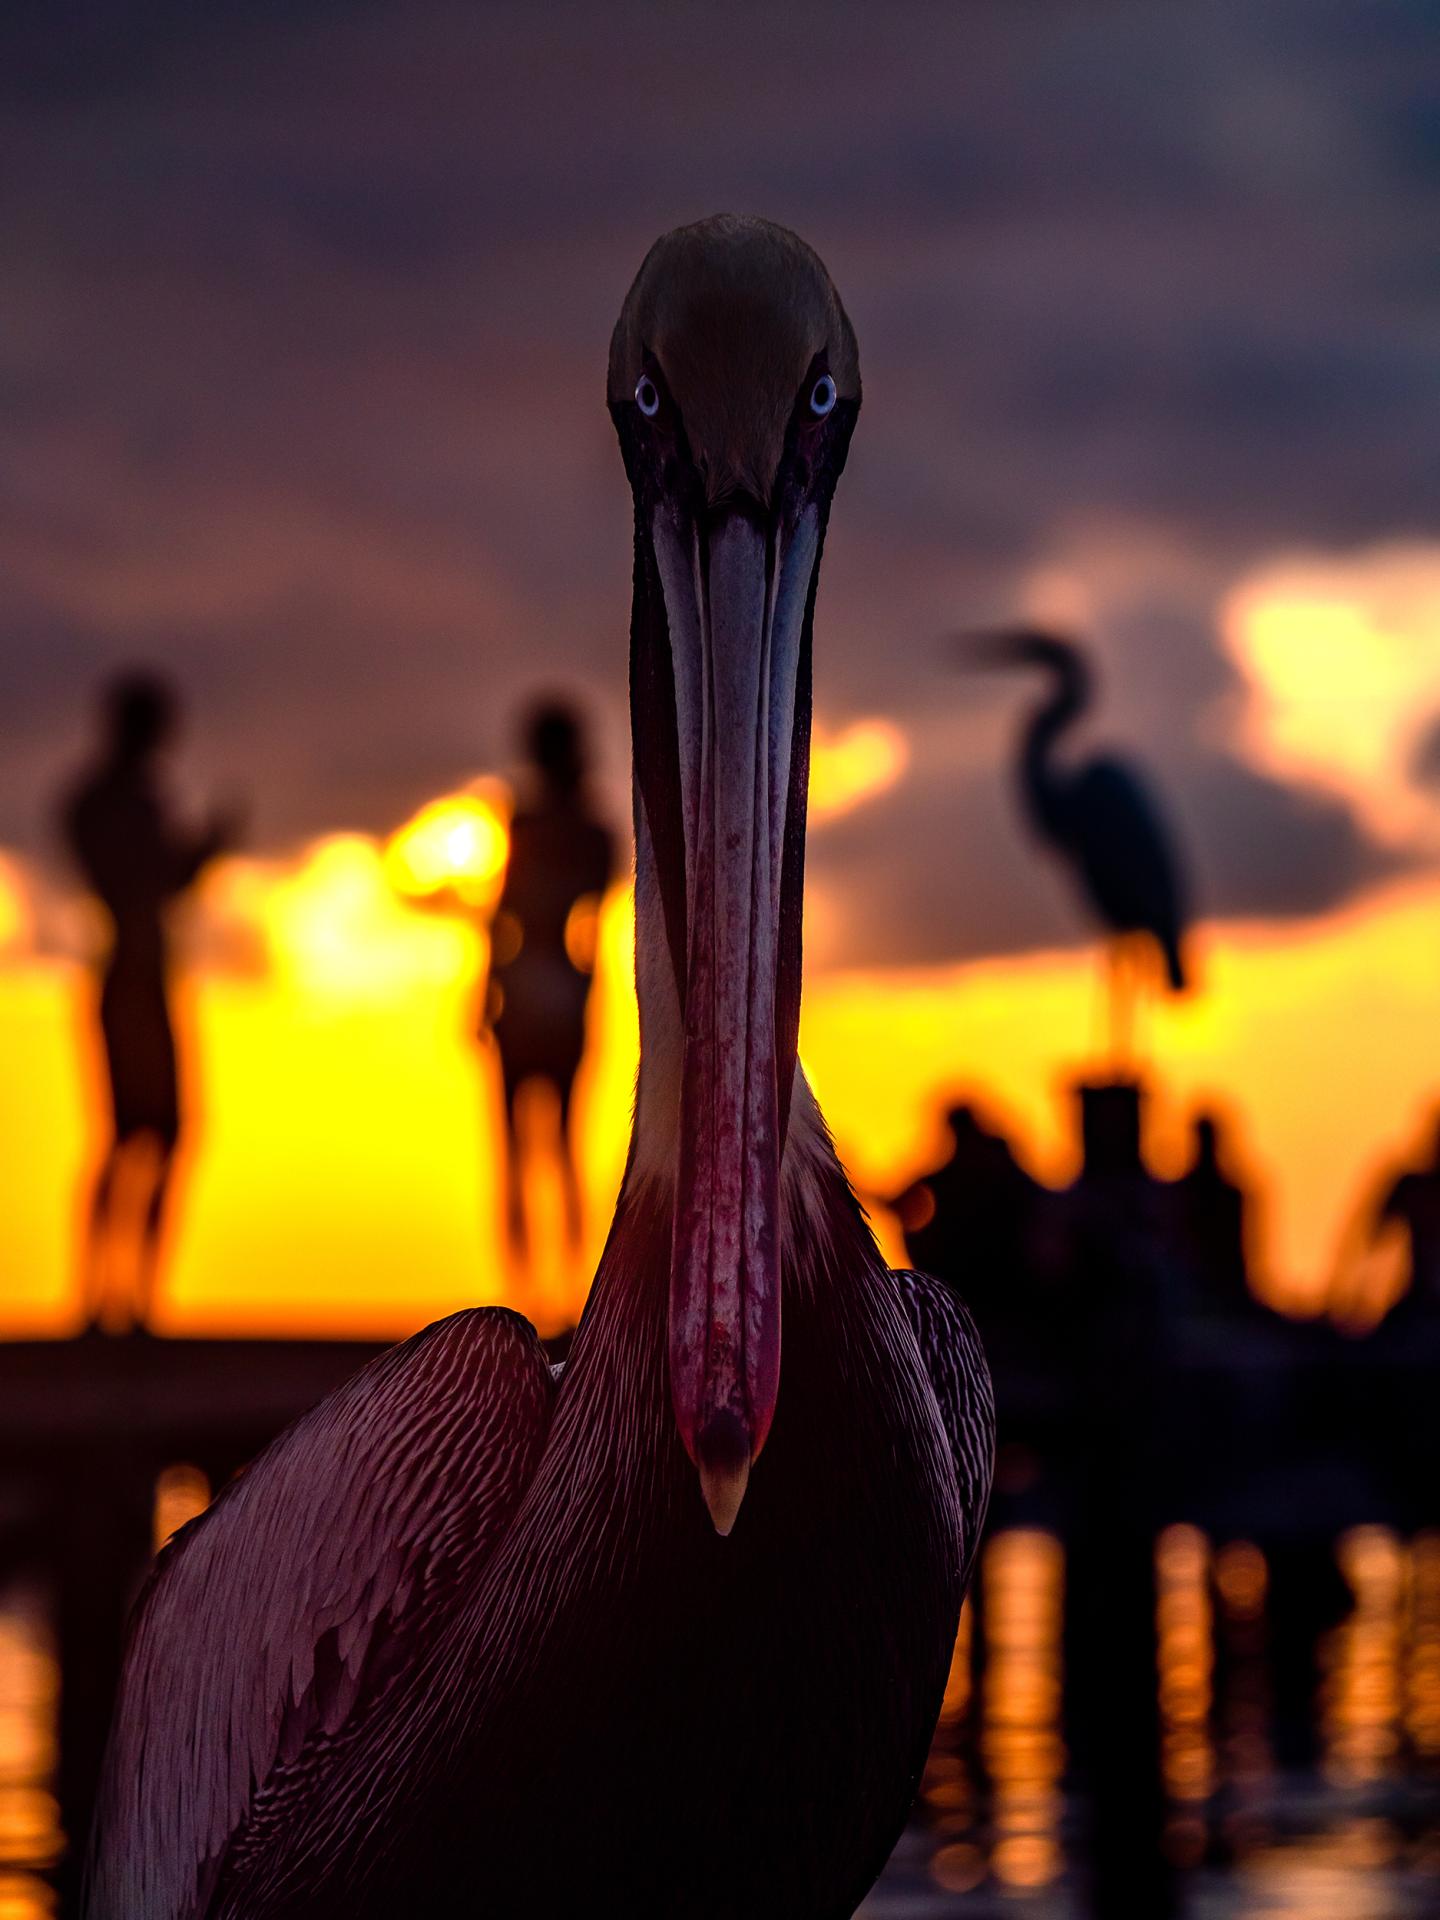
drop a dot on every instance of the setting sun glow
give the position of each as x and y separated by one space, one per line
344 1169
852 765
457 845
336 928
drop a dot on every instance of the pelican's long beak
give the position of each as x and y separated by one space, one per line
736 588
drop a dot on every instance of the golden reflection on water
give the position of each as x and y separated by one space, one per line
30 1834
1422 1694
1184 1651
1022 1577
1016 1742
1247 1763
24 1897
992 1790
1361 1696
948 1787
182 1492
1327 1876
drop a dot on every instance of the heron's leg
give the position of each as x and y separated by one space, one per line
1102 1004
1119 1013
1124 990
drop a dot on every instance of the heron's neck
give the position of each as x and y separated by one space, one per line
1043 777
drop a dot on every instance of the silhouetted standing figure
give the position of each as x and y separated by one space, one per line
136 859
1211 1211
1405 1424
967 1223
1413 1201
542 957
1101 817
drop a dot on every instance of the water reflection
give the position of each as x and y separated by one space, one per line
1360 1695
1185 1662
991 1793
1328 1876
30 1837
181 1492
948 1789
1245 1704
1422 1698
992 1836
25 1897
1022 1578
1253 1840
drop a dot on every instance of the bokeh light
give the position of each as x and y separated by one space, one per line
456 846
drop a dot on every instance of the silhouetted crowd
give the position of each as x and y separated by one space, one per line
1012 1246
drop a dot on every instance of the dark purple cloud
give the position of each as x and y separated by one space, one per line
303 313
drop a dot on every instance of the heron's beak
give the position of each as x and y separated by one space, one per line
736 592
986 647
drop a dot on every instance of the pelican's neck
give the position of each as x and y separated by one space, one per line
810 1164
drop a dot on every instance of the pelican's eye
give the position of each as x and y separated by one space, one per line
647 396
822 396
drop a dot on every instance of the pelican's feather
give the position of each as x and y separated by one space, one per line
288 1606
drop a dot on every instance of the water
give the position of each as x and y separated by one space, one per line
30 1837
1353 1839
996 1833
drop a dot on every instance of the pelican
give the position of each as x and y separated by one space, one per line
667 1636
1100 817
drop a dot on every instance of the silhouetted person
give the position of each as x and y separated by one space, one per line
136 859
967 1221
1210 1219
1413 1200
542 955
1404 1350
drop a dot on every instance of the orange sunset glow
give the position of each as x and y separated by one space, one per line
344 1179
1343 659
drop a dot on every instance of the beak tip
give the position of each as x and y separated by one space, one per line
723 1491
723 1457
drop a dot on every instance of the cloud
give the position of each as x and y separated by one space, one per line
948 868
1424 768
306 310
1342 658
946 864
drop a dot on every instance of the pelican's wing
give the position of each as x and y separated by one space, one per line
269 1617
955 1361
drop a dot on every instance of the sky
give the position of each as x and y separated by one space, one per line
305 311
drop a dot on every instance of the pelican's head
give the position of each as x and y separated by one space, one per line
734 385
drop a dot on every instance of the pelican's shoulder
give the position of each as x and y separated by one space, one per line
954 1359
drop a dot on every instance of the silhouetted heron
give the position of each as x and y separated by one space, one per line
1101 817
468 1640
